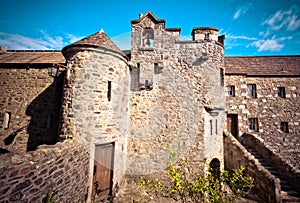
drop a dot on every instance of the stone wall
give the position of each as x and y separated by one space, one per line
267 187
95 106
292 174
60 169
176 81
32 99
270 109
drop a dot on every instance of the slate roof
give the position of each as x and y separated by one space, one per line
98 39
30 57
263 65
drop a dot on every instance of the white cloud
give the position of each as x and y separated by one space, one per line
241 11
45 42
284 19
268 44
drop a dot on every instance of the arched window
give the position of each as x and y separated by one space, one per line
148 37
215 167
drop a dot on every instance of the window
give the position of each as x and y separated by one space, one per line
211 127
230 91
251 90
253 124
6 120
222 77
50 121
109 90
284 127
281 92
216 126
157 69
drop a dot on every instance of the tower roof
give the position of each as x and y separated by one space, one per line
98 39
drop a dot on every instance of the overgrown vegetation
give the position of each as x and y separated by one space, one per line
182 186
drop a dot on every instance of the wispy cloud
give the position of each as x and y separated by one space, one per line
242 10
288 19
273 44
45 42
229 36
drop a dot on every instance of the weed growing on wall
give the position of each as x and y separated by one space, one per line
182 186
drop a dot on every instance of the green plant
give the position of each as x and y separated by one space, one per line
51 197
182 186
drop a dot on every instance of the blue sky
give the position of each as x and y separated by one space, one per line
257 27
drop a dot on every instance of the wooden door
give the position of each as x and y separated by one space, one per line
232 124
103 170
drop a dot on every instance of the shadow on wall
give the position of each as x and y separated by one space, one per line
45 115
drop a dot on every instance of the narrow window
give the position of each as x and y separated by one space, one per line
284 127
49 123
109 90
281 92
222 77
211 127
156 68
230 91
6 120
251 90
253 124
216 126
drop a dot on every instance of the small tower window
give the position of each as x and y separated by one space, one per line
211 127
108 90
216 126
49 123
6 120
222 77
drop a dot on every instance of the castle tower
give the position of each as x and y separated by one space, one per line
177 96
95 108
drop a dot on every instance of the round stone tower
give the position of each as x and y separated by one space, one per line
95 108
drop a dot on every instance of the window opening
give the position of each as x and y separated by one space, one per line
281 92
222 77
49 122
211 127
230 91
252 90
109 90
253 124
6 120
284 127
216 126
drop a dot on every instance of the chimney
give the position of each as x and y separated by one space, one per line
3 49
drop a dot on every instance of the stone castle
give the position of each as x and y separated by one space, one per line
89 121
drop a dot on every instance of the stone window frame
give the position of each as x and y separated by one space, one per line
252 90
281 92
230 90
253 124
284 127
